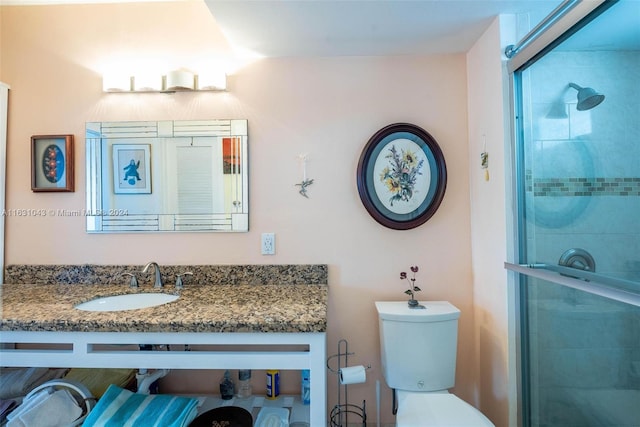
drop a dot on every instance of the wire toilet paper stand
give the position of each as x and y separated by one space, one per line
341 411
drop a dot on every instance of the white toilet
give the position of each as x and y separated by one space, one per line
418 349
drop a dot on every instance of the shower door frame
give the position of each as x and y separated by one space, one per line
539 45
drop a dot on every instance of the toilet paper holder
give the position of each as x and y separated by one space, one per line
341 411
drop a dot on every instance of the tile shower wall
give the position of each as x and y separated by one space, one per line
583 180
585 351
582 189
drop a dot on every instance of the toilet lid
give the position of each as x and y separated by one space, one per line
416 409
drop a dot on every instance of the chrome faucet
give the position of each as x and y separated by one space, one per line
133 282
180 279
158 282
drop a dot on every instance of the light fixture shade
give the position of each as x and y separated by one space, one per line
116 83
174 81
212 81
180 80
147 82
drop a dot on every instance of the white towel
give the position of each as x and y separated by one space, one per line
17 382
46 408
27 405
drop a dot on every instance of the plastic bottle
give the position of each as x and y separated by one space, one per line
244 383
305 393
273 383
227 389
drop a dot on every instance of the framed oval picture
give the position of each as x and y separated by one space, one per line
402 176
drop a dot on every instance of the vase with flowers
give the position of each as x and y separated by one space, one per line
413 303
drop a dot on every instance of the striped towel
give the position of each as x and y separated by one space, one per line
122 408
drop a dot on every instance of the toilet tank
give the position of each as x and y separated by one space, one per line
418 346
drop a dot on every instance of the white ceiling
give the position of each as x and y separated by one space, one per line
363 27
387 27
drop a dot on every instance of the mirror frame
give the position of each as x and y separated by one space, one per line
102 219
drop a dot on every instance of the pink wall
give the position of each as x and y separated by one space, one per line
325 107
489 223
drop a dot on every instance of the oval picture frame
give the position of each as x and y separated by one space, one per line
401 176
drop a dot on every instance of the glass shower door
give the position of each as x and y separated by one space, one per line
579 184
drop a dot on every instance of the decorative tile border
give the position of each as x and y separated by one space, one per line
563 187
307 274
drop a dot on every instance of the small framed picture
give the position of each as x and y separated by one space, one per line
401 176
131 168
52 163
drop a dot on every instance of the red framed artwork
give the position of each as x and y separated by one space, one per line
52 163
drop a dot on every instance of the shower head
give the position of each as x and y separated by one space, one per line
587 97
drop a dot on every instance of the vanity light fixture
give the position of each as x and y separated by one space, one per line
180 80
146 82
212 81
116 83
173 81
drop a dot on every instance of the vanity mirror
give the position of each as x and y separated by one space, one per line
157 176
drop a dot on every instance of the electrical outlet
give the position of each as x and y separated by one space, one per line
268 244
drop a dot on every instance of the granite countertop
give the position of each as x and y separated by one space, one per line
200 308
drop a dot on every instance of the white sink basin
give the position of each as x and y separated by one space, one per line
126 302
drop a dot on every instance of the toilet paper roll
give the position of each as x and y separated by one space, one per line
353 375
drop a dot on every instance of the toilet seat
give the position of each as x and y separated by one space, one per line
422 409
